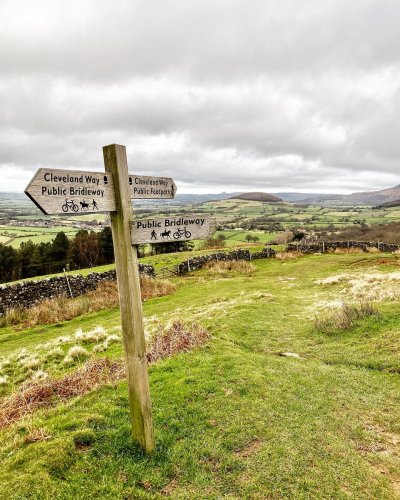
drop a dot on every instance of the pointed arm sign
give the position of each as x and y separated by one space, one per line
75 192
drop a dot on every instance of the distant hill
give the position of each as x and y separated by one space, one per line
294 197
202 198
381 197
376 197
389 204
266 197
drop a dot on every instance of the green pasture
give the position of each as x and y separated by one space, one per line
235 418
15 235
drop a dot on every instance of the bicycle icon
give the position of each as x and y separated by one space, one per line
70 205
182 232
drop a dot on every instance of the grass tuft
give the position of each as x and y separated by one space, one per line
84 438
350 250
222 266
180 337
288 255
344 317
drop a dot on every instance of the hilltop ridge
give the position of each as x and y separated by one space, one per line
256 196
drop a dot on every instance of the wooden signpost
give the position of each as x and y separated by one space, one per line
74 192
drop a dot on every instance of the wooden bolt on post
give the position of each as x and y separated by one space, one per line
126 261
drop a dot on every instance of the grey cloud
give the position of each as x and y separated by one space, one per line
272 95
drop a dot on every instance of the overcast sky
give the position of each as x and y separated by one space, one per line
221 95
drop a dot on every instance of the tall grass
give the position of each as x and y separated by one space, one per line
223 266
344 317
64 308
288 255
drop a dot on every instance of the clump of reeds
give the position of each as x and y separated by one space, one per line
344 317
290 255
224 266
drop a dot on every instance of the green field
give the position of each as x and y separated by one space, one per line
15 235
235 418
291 215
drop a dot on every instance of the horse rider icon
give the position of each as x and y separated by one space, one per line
153 235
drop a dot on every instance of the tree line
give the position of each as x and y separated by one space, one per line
86 249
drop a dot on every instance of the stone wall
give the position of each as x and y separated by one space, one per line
29 293
331 246
198 262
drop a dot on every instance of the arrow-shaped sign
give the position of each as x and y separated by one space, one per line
76 192
181 228
145 186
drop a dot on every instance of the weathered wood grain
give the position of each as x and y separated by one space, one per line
130 300
182 228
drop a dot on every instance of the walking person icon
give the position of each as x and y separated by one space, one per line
153 235
94 204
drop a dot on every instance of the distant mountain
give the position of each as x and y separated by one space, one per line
266 197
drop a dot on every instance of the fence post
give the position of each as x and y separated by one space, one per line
69 286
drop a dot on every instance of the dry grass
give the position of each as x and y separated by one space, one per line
178 338
44 393
288 255
36 436
222 266
151 287
348 250
344 317
63 308
49 391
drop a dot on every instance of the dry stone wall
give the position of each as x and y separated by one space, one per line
29 293
200 261
331 246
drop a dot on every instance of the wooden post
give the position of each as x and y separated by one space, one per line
126 262
69 286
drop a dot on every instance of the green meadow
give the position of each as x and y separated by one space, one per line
269 407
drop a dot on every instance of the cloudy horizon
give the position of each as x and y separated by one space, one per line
221 96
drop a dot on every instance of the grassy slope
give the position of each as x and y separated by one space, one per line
234 419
